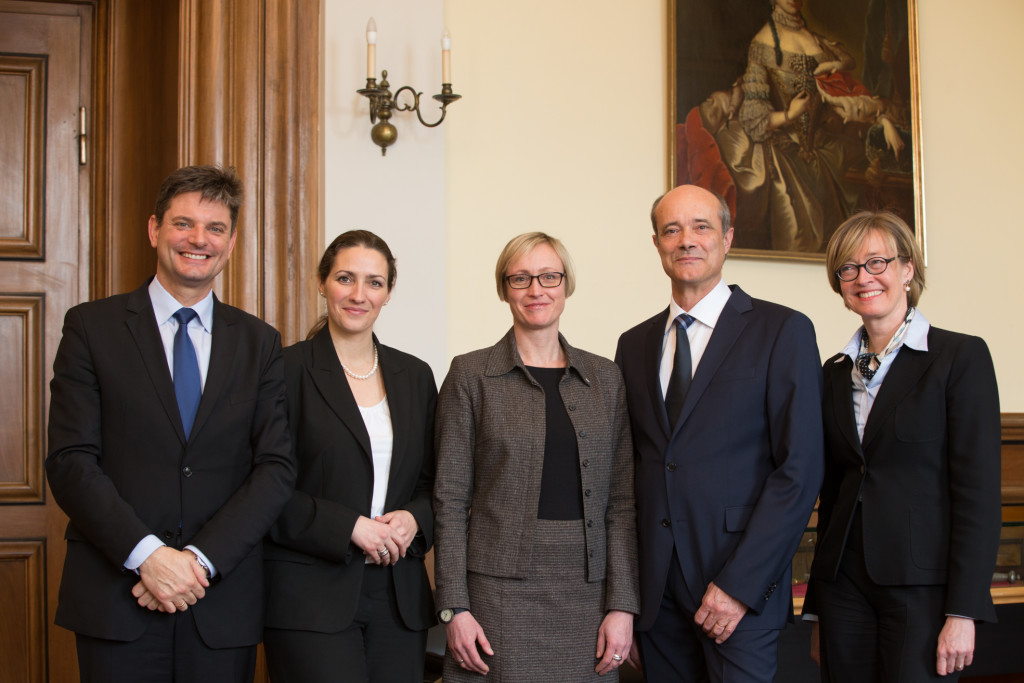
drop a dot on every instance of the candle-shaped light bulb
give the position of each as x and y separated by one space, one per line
371 48
446 57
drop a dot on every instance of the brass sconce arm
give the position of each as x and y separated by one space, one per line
383 103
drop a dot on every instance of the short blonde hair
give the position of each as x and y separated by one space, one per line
849 237
525 243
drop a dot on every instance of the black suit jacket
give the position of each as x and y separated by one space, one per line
927 472
120 467
732 486
314 571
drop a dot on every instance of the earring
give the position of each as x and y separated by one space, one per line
906 285
321 294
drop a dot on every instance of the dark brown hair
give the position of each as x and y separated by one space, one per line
213 183
348 240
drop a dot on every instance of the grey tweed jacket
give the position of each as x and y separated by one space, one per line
490 453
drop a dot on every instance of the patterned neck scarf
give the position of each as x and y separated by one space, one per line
867 362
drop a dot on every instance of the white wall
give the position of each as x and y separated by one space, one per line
399 196
562 127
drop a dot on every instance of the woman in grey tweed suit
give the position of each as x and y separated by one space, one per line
539 583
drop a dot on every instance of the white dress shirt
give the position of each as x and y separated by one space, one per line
705 314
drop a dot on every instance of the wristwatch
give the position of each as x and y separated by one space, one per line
446 615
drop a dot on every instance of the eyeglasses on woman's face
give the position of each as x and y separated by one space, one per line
848 272
523 281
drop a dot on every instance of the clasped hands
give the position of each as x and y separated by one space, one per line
170 580
385 538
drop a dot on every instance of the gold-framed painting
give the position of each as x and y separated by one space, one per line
799 113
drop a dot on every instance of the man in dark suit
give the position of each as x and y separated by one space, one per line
169 451
724 395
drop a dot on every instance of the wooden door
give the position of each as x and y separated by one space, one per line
43 232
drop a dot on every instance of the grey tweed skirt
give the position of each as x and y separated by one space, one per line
542 628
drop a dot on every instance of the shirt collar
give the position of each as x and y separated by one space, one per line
165 305
504 356
915 338
705 311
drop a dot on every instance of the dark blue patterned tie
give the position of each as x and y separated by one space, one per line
679 382
187 386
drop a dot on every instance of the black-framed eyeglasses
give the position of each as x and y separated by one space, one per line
523 281
848 272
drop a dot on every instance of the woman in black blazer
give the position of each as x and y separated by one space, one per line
348 594
908 522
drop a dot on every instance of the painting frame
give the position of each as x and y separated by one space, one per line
704 77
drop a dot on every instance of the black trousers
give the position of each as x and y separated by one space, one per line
375 648
886 634
677 649
170 651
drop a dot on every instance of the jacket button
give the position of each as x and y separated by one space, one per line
671 467
583 433
586 462
187 471
572 406
168 535
665 523
590 522
587 493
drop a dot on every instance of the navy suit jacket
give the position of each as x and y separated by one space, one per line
732 486
927 473
120 467
314 571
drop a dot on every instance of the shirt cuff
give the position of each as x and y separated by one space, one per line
143 549
809 617
203 560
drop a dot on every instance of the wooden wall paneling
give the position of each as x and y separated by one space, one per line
221 121
21 400
137 124
249 84
23 628
22 147
293 235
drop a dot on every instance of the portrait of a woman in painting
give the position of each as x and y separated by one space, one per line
808 118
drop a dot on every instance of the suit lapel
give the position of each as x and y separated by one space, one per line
727 330
396 387
906 370
142 326
223 345
330 381
651 358
842 400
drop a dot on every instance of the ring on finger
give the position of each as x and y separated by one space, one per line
617 657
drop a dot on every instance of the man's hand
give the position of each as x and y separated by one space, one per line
171 580
464 632
719 613
956 645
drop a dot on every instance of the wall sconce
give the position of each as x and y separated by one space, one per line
383 102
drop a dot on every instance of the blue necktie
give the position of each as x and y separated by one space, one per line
679 382
187 386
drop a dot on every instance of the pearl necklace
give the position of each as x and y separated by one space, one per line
368 375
